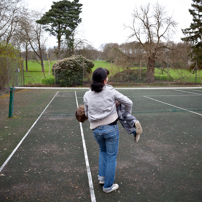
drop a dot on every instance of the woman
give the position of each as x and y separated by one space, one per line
100 108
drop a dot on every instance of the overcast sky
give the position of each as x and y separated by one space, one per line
103 20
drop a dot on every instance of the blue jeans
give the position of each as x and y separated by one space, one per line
107 138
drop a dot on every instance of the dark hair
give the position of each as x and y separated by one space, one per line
99 75
80 114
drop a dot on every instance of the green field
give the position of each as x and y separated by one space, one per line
35 74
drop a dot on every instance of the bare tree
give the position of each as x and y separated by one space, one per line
21 36
9 18
151 28
88 52
179 55
108 52
35 36
133 51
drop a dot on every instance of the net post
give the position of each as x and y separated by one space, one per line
11 102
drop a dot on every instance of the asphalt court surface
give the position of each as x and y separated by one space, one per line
165 165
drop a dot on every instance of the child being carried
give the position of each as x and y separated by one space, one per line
127 120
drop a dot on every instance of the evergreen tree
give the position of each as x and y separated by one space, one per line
194 32
62 20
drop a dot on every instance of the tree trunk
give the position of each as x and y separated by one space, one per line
150 69
26 59
48 61
59 41
42 66
58 48
41 59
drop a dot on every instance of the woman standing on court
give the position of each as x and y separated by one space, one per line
100 108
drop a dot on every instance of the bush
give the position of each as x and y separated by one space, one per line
48 81
72 71
163 78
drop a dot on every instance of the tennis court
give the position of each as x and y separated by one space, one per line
55 158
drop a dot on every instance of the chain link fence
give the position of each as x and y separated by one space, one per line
11 72
161 75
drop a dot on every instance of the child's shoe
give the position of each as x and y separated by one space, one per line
138 131
134 133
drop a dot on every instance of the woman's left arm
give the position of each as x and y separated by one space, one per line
124 100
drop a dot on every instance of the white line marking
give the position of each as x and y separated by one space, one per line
189 92
169 96
197 90
90 181
173 106
13 152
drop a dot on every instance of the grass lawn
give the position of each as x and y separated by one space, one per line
34 66
181 75
35 74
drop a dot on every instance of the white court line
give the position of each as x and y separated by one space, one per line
173 106
13 152
90 181
169 95
189 92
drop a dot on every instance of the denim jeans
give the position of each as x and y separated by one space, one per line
107 138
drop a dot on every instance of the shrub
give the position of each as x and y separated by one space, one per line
163 78
72 71
48 81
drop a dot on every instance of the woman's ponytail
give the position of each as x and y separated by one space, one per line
99 75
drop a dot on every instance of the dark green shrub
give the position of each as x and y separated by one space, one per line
72 71
48 81
163 78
